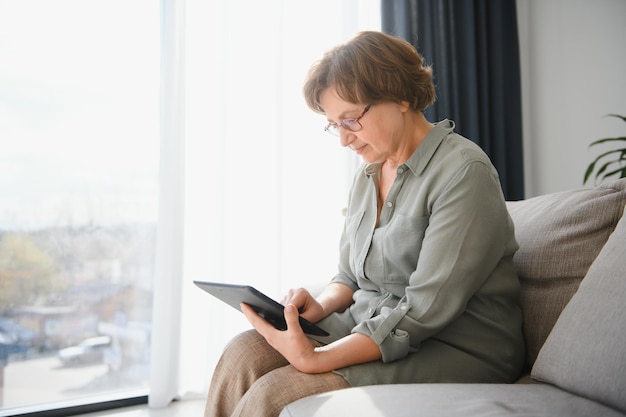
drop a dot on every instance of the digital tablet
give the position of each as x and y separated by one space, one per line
270 310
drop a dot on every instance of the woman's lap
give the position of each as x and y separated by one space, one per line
251 378
434 362
254 379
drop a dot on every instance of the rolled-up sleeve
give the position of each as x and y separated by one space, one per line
394 342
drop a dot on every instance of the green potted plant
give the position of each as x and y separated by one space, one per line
611 163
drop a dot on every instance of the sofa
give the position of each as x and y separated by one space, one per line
572 268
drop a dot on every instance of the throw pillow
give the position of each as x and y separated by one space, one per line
586 351
560 235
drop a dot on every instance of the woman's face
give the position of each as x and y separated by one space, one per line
382 126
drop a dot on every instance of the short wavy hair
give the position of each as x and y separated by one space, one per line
372 68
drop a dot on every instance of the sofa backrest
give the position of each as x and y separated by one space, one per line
559 235
585 353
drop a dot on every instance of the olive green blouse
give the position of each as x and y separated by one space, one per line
435 277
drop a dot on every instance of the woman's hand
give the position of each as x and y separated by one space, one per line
292 343
298 349
335 298
308 307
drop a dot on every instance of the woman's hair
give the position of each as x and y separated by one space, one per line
372 68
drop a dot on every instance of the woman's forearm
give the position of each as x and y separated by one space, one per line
350 350
335 298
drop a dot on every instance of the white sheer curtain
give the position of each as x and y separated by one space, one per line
263 184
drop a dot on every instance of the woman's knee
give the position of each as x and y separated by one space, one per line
271 393
251 353
243 339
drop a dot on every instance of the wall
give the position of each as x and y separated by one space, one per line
573 58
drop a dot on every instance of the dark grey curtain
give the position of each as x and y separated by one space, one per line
473 48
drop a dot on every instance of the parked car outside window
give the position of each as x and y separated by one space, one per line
89 351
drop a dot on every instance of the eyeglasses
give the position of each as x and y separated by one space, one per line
352 125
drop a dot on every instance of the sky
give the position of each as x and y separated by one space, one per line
79 107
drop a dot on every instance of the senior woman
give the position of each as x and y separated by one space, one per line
425 290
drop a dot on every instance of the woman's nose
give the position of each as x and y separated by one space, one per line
346 137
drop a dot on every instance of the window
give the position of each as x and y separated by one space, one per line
79 184
79 140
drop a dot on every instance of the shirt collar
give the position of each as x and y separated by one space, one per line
424 152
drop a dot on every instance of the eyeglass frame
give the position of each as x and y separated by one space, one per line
352 125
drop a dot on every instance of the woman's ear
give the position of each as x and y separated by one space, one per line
404 106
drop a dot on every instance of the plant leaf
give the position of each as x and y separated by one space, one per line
620 139
601 172
589 171
607 169
621 170
607 153
603 168
616 115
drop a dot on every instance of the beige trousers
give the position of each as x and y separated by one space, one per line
252 379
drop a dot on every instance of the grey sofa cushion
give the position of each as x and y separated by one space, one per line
586 351
448 400
560 235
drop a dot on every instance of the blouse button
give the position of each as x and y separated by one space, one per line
389 204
